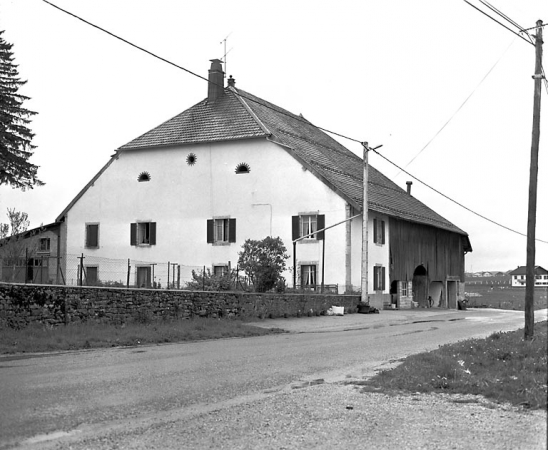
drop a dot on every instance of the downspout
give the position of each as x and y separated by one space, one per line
348 251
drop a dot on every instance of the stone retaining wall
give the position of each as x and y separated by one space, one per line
22 304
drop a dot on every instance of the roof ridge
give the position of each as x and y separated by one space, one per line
249 110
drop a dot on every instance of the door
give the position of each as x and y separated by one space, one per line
143 277
420 286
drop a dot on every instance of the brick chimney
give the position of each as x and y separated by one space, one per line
409 183
215 86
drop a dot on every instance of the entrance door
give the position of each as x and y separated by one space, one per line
420 287
143 277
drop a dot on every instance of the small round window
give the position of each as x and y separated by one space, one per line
191 159
143 176
242 168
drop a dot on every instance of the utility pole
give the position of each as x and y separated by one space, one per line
533 177
365 228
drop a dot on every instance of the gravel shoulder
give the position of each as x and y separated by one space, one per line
335 415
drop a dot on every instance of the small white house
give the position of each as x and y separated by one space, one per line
518 276
236 167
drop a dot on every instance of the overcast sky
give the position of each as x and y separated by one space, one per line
391 72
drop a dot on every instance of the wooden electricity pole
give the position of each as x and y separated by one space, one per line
533 177
365 231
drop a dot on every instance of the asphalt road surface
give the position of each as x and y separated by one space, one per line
209 394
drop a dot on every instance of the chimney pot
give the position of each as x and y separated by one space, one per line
409 183
231 81
215 85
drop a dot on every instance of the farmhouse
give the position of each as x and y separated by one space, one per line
32 256
236 167
518 276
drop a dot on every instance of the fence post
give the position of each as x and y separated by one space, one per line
203 280
128 272
81 270
168 275
178 277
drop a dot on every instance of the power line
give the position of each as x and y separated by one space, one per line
278 110
454 201
459 108
193 73
501 24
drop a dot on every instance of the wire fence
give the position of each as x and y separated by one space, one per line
90 270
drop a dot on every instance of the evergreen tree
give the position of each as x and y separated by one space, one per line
15 138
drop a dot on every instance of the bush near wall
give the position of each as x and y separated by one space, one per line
22 304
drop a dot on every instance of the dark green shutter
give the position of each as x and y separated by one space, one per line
375 231
382 232
295 233
210 231
321 225
152 233
133 234
231 230
383 276
375 278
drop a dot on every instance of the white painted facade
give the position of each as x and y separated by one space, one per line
181 197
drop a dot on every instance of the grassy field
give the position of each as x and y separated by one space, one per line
503 368
41 338
502 296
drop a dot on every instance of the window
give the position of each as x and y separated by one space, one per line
220 270
92 275
242 168
378 278
404 291
305 224
308 275
221 230
378 231
92 235
143 233
143 176
44 245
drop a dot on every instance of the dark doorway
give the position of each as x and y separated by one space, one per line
420 286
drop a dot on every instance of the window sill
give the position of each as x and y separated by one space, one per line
308 241
221 244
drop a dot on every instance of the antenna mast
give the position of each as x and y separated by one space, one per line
223 59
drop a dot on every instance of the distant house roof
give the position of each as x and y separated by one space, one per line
522 270
241 115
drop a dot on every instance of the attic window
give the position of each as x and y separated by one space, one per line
143 176
191 159
242 168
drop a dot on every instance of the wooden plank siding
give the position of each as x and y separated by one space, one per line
412 244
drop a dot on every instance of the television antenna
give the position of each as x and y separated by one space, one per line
223 59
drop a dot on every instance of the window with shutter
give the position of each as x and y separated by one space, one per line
306 225
92 235
378 231
221 231
143 233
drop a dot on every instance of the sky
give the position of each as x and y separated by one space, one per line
445 90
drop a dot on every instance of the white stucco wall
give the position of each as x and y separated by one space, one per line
180 198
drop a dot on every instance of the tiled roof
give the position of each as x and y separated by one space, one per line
239 114
522 270
225 119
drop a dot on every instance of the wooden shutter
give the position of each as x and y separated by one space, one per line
383 276
133 234
295 232
320 224
375 231
210 231
376 278
231 230
92 236
382 232
152 231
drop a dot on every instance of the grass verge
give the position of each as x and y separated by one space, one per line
503 367
41 338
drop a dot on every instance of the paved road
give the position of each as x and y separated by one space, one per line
89 399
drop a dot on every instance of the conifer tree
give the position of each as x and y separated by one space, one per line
15 137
